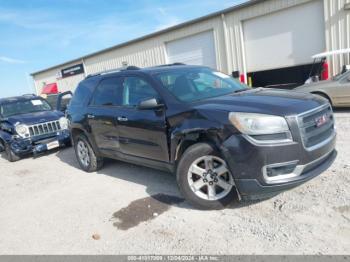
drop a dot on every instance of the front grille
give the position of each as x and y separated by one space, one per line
44 128
312 132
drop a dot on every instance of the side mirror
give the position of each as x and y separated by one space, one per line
148 104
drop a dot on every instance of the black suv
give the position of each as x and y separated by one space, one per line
28 124
222 139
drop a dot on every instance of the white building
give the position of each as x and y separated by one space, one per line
270 40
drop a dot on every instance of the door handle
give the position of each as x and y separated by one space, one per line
89 116
122 118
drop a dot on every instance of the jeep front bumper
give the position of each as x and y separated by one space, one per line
40 144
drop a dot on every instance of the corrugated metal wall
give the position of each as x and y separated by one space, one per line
228 38
228 53
337 31
234 22
151 51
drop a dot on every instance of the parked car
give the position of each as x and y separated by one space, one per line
59 101
320 68
336 90
222 139
28 124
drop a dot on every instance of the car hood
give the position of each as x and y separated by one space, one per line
264 101
35 118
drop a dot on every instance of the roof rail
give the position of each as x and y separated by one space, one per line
104 72
116 70
30 95
132 68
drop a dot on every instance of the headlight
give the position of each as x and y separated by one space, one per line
22 130
63 123
262 128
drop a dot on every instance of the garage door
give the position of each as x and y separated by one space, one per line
286 38
194 50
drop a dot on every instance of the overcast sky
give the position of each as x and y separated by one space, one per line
35 34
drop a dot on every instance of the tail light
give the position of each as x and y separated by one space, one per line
242 78
325 71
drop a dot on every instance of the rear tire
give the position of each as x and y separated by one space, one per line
204 179
2 146
86 156
10 155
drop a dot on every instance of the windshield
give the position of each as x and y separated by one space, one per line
24 107
191 85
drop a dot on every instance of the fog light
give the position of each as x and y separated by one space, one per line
280 170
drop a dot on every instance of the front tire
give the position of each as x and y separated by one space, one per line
10 155
204 179
86 156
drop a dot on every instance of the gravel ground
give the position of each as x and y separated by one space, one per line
49 206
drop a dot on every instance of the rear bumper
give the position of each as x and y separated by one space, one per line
38 145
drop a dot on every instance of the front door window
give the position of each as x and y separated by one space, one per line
136 90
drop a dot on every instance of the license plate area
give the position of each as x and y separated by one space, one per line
52 145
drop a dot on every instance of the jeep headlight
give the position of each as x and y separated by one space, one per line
261 127
63 122
22 130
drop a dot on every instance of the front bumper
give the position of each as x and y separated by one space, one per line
39 144
249 163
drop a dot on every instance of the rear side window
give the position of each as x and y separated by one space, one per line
82 93
135 90
108 93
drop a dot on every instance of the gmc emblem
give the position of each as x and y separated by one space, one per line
321 120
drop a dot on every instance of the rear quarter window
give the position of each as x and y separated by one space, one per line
83 93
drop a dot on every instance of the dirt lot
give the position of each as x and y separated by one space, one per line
49 206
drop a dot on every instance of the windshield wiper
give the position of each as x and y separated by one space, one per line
241 90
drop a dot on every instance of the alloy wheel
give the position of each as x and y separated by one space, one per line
209 178
83 153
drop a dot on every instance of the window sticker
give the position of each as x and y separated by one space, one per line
36 102
222 75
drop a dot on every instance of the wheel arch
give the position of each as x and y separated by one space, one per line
4 137
323 94
186 139
77 130
2 144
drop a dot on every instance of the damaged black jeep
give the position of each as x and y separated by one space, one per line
29 125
